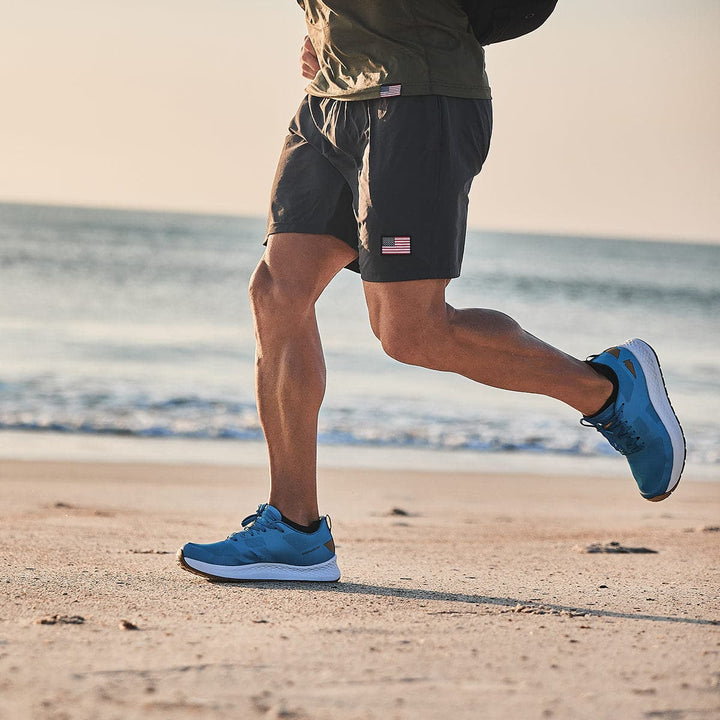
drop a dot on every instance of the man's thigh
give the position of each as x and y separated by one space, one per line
302 264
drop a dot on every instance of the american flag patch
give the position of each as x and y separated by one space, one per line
395 245
390 90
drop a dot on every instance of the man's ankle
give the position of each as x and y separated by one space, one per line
312 527
611 378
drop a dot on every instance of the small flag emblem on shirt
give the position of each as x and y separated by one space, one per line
395 245
390 90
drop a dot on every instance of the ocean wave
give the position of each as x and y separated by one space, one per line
41 406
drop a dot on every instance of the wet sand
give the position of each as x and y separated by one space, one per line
463 595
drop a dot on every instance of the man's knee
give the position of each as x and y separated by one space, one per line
276 295
293 272
406 339
410 319
260 288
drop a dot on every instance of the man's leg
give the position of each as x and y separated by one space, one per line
285 539
417 326
633 411
290 368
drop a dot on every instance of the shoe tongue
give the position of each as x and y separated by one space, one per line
271 512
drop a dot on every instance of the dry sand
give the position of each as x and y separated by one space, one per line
481 602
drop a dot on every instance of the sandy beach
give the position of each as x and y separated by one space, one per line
463 595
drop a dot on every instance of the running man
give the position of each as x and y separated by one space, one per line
374 176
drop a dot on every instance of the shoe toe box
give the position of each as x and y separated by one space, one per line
220 553
652 466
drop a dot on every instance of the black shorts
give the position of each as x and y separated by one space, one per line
390 177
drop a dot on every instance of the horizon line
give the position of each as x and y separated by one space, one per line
159 210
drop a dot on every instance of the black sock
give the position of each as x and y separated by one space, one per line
311 528
605 371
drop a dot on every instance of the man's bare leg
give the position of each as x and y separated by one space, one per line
290 368
417 326
484 345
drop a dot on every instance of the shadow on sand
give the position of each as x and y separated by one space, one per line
522 606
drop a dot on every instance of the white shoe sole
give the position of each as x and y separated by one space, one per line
650 365
323 572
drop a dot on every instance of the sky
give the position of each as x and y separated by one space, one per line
607 119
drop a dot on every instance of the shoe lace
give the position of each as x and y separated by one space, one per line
618 432
255 524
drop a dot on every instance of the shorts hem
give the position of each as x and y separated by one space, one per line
386 277
277 228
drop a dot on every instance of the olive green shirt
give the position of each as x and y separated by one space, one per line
426 47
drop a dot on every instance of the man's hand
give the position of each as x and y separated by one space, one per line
308 60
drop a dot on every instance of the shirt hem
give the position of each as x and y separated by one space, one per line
449 90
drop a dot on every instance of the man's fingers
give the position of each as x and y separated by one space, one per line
310 71
308 60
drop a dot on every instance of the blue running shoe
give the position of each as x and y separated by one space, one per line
641 424
266 549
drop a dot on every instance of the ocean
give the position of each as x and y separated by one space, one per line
136 324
